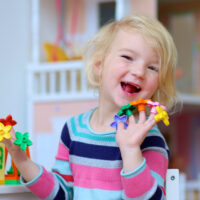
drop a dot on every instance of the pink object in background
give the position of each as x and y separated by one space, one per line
44 112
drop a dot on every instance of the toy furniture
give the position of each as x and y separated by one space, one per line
172 184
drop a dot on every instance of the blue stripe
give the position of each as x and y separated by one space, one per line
157 195
158 178
168 154
80 119
154 130
153 141
62 166
95 151
95 194
60 195
65 136
101 137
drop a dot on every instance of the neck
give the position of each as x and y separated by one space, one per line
102 117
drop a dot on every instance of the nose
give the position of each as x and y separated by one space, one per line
138 70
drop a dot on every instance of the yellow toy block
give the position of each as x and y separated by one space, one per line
2 163
4 132
162 115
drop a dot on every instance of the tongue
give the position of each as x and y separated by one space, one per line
129 88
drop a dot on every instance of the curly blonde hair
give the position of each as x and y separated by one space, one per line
158 38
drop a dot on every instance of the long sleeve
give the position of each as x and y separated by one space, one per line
57 184
88 166
149 177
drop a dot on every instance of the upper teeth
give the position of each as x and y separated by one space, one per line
137 87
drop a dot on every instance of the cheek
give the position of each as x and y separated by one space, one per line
154 83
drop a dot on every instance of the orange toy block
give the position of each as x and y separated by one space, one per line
140 103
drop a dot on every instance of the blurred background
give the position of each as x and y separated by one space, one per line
42 80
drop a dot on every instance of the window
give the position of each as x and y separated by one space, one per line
106 12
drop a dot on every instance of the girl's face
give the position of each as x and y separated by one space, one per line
130 70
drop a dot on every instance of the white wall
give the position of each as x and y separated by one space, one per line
14 57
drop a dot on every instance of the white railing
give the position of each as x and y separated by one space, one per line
58 81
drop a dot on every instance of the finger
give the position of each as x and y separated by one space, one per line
150 122
8 143
151 116
120 126
131 120
142 117
12 133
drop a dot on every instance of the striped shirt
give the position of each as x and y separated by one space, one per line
88 166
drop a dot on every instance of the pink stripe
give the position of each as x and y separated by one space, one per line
156 162
96 177
40 188
139 184
63 153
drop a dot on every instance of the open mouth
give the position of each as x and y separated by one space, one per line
130 87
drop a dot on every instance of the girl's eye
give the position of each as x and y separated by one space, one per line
126 57
153 68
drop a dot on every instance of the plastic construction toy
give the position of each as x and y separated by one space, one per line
12 176
8 121
153 105
22 140
118 119
140 103
5 132
162 115
126 110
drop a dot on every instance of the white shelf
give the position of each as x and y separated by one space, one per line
189 99
52 66
7 189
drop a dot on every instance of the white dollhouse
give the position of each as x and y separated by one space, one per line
57 90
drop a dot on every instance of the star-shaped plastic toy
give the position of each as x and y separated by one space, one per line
162 115
126 110
8 121
140 103
118 119
4 131
153 105
22 140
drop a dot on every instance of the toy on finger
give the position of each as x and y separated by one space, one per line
6 126
118 119
8 121
22 140
5 131
140 103
153 106
162 115
127 110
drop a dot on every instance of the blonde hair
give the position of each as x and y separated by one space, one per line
158 38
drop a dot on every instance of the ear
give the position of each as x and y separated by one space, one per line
98 69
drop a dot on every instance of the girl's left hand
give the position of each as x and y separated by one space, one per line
134 135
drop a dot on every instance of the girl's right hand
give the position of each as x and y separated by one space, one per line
16 153
27 168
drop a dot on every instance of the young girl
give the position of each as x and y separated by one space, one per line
127 60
